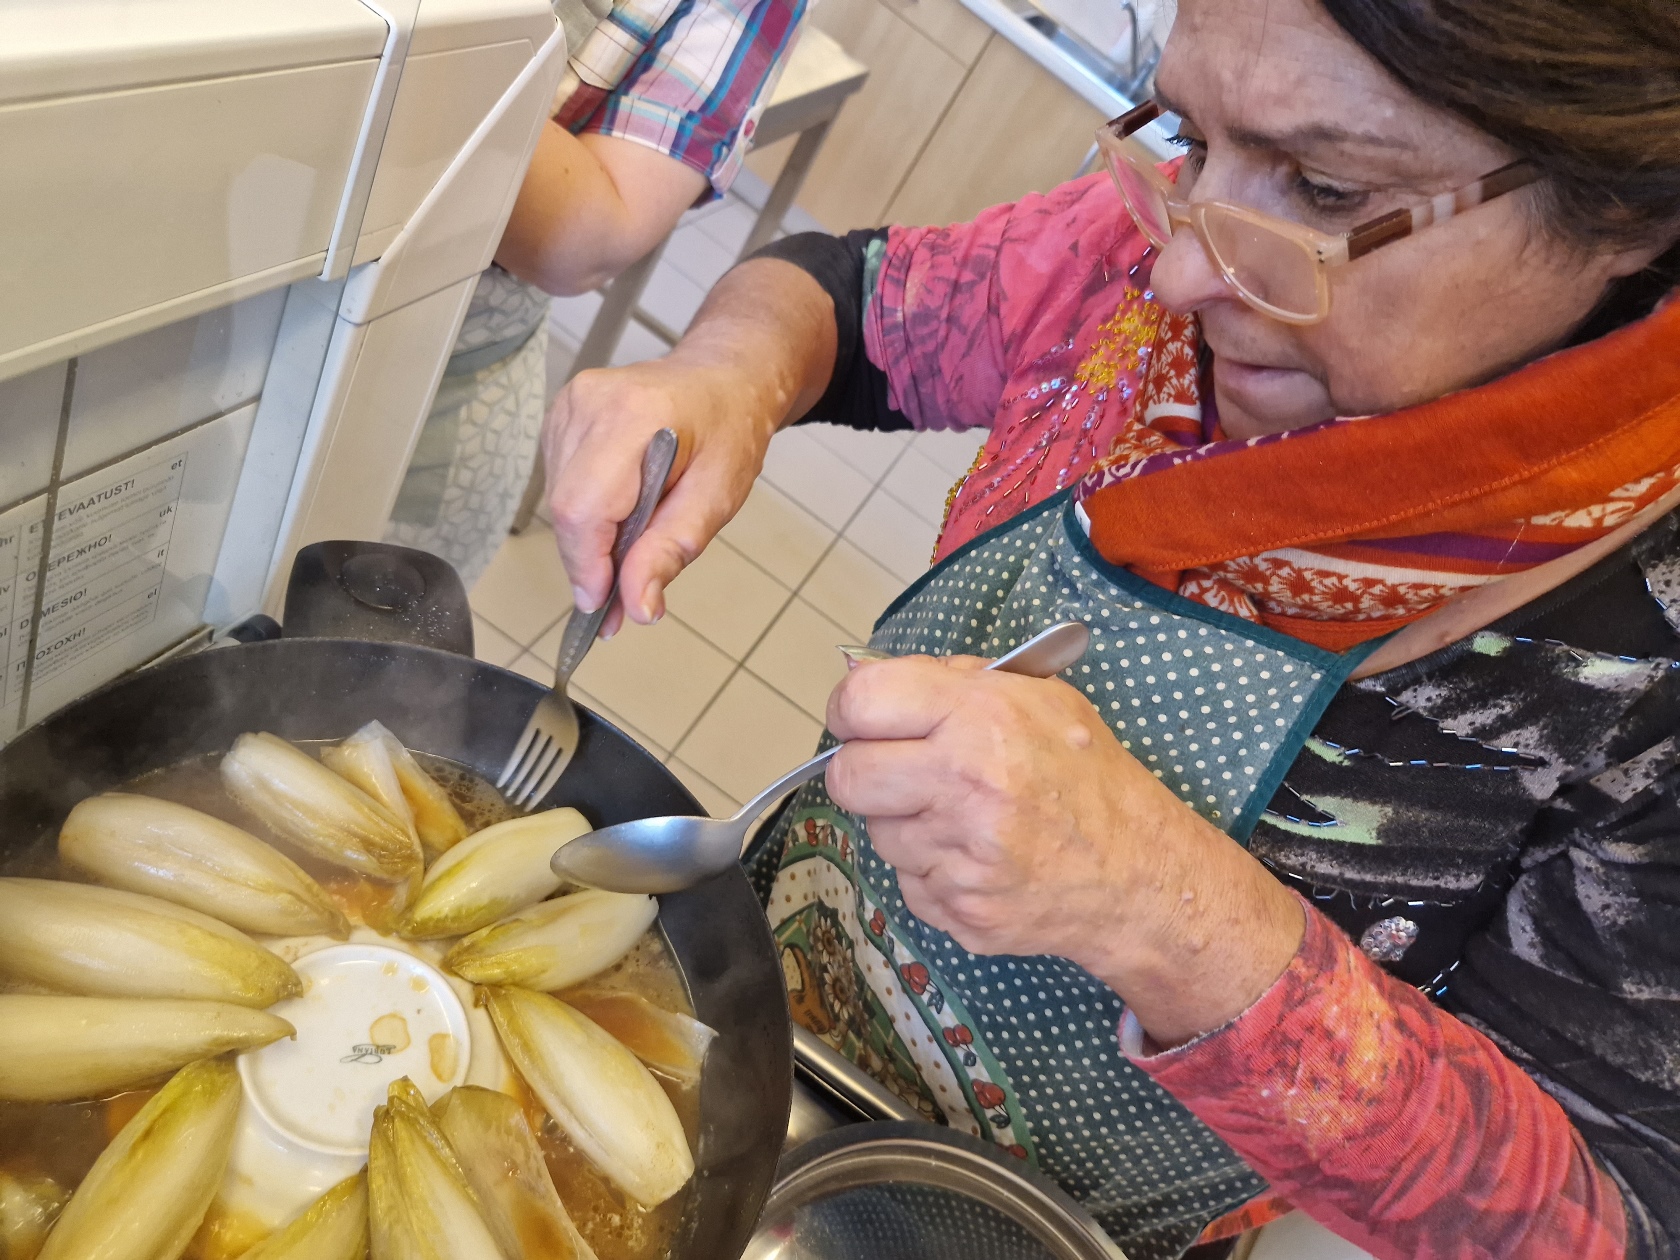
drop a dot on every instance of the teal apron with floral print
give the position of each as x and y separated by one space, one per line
1024 1051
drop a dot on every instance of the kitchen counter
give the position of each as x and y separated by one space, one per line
1097 81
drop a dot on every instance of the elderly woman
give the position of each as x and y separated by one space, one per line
1345 867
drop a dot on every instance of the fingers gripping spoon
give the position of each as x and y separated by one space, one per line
550 738
660 855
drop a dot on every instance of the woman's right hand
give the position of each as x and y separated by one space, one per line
758 355
596 434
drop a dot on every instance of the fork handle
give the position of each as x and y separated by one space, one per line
580 631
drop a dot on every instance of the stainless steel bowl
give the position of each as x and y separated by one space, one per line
913 1191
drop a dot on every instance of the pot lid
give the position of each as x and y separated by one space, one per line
916 1191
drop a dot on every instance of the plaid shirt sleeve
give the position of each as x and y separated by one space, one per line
698 86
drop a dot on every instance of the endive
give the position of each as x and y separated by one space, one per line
171 851
505 1168
147 1192
54 1049
420 1206
316 810
334 1227
375 755
28 1207
597 1091
673 1045
103 942
495 872
555 944
366 763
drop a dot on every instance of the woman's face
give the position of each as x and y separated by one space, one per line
1290 116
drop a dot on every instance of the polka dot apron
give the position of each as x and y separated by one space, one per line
1023 1051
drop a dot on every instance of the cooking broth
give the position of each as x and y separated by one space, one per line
54 1144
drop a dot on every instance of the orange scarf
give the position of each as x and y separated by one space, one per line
1347 530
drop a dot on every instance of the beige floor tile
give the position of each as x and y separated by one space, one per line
727 598
868 452
641 737
524 591
535 668
718 803
951 450
778 535
798 657
851 589
538 663
748 737
490 644
657 677
570 317
815 477
892 535
920 485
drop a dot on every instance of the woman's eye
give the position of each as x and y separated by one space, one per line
1195 155
1328 197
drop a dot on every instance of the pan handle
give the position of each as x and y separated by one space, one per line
379 592
845 1080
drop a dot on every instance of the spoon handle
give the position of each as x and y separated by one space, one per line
1045 654
793 778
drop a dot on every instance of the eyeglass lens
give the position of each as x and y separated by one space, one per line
1148 205
1270 270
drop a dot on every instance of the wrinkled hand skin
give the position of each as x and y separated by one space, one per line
1018 824
593 443
758 354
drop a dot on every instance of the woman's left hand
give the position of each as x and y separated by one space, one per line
1018 824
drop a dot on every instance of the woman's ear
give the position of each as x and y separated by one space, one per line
1623 261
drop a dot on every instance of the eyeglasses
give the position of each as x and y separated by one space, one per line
1278 267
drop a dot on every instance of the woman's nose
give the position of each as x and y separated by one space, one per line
1185 279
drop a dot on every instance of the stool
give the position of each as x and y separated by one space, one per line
815 83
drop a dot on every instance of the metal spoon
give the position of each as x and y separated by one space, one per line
660 855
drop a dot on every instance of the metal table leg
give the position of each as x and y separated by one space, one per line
786 187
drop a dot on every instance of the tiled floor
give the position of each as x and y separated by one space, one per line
730 687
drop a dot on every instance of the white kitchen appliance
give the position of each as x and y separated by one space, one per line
237 240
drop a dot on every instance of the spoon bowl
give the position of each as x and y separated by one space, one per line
661 855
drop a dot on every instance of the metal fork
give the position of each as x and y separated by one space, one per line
550 738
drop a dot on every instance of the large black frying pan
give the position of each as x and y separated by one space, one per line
450 705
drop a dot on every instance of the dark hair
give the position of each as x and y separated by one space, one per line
1589 90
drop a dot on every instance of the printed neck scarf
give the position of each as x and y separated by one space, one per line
1347 530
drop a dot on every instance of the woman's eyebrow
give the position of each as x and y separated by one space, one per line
1297 139
1311 136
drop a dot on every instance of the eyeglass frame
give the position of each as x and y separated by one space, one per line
1117 142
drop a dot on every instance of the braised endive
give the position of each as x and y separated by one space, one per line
152 846
28 1207
420 1206
316 810
495 872
597 1091
54 1049
555 944
147 1192
334 1227
103 942
672 1044
505 1168
366 763
375 756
